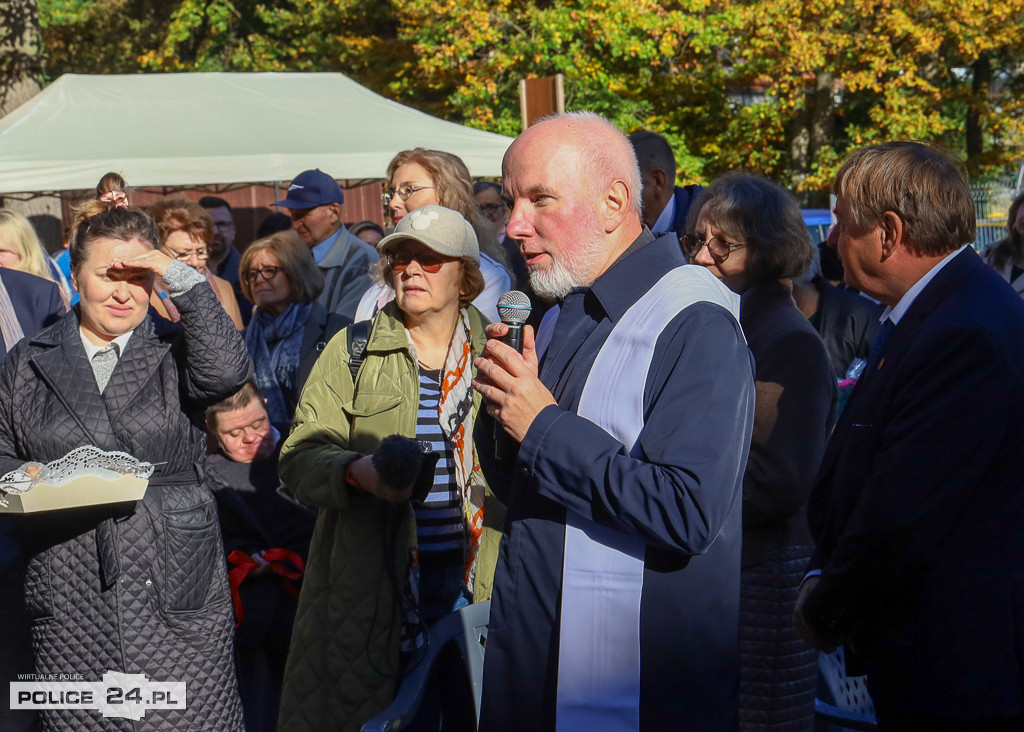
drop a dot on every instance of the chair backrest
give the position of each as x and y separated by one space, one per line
850 704
472 642
467 629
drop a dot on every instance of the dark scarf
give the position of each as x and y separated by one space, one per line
275 345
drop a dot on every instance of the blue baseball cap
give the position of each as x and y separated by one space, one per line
311 188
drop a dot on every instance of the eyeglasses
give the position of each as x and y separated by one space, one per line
431 263
223 225
489 208
239 432
718 247
187 254
404 191
267 273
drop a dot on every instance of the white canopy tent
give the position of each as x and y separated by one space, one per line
217 129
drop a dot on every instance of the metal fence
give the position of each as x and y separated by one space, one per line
992 201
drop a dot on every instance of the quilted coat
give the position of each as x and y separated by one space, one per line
344 652
136 588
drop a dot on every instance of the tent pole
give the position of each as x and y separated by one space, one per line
277 191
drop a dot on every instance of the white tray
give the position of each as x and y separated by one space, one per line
76 493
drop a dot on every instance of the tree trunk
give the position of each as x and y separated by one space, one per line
799 145
980 84
21 78
823 121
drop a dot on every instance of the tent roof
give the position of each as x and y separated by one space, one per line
218 128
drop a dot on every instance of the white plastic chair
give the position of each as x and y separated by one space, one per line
467 629
850 705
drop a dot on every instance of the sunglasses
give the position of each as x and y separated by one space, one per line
267 273
403 191
431 263
718 247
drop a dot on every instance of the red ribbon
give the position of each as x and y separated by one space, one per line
245 564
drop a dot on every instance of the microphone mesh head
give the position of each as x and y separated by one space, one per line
514 307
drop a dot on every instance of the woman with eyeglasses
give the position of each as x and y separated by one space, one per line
186 230
749 233
381 567
418 178
289 328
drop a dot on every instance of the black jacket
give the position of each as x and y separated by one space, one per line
847 322
793 412
138 588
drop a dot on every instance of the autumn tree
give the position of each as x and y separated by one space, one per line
780 87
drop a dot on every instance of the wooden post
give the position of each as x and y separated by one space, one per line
540 98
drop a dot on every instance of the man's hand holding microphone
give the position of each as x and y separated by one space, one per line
507 370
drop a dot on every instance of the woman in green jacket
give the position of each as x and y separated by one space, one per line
381 567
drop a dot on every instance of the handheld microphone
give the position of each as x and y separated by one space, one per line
514 309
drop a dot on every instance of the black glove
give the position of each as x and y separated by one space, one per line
403 463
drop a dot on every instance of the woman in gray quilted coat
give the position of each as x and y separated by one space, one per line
137 588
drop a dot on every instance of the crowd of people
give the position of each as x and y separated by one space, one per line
661 494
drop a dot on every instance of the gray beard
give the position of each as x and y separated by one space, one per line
566 274
554 284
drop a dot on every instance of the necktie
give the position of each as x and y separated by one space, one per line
103 364
879 345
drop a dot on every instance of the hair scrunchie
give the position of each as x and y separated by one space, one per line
118 198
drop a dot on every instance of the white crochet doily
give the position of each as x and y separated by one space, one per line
82 461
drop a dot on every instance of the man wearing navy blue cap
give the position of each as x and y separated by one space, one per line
314 200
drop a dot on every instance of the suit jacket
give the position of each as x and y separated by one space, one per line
346 269
684 198
320 328
919 505
37 302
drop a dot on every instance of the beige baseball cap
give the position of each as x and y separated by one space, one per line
438 228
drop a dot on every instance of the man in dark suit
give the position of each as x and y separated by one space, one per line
919 503
665 205
35 304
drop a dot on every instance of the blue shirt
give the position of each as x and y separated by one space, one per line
320 250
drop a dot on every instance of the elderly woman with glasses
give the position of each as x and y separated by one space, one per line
418 178
749 233
187 230
382 567
289 328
